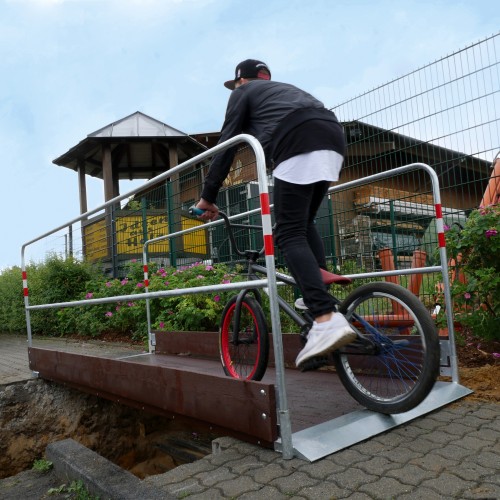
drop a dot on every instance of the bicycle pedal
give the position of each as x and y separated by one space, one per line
314 364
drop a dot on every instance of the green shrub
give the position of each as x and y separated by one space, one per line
477 298
12 315
57 279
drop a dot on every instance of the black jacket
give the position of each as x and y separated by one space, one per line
259 108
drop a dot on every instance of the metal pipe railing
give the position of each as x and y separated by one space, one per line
443 268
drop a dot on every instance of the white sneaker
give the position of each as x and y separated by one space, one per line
299 304
326 337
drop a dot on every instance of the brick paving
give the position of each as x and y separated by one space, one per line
451 453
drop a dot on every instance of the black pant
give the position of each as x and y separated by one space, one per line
295 207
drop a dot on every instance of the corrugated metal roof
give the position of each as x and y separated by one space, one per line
137 125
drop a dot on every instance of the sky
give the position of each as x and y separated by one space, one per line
71 67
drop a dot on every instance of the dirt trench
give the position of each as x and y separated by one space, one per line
35 413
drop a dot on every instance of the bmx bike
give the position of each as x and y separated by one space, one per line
389 368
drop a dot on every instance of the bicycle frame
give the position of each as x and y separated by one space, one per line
253 272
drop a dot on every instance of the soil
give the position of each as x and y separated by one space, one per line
479 368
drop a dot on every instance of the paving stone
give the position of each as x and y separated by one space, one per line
349 457
293 483
390 439
454 452
322 468
411 474
486 412
377 465
370 447
434 463
422 445
473 443
322 491
401 455
429 424
266 474
185 488
421 493
457 429
410 432
448 484
352 478
214 477
488 491
245 464
266 492
236 487
472 471
487 434
386 487
489 459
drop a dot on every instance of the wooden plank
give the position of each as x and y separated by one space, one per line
147 379
206 345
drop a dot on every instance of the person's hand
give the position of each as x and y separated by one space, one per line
211 210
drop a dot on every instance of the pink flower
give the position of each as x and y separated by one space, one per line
89 295
467 295
217 298
491 232
109 314
446 227
117 308
209 268
162 325
496 355
200 276
140 285
131 304
133 261
108 283
225 282
167 283
124 281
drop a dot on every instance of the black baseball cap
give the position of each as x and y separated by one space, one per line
250 68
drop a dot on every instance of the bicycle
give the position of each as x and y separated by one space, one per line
391 366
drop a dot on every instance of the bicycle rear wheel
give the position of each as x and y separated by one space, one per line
246 356
399 369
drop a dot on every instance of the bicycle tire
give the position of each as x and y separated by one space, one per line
402 370
246 360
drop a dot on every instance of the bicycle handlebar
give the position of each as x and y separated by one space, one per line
230 226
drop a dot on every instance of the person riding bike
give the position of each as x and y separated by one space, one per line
305 146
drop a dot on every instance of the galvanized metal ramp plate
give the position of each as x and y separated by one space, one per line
329 437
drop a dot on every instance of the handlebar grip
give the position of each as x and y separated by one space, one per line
196 211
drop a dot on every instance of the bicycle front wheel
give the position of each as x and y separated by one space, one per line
244 355
398 366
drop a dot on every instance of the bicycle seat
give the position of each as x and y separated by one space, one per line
329 278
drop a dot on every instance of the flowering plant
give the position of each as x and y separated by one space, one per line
476 291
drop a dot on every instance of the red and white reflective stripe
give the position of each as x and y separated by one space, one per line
146 280
440 226
267 226
25 284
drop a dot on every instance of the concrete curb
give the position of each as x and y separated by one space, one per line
73 461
